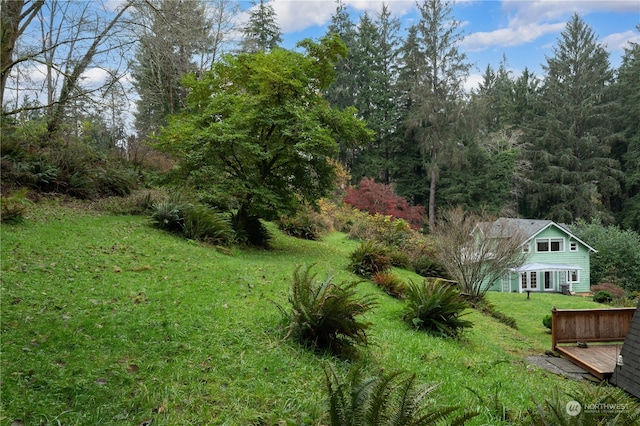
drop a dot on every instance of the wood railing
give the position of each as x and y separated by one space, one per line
590 325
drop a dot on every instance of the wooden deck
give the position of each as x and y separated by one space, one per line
599 360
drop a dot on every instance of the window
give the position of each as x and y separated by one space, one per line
573 277
550 244
526 248
573 246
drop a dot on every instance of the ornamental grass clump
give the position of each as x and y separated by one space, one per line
436 306
326 316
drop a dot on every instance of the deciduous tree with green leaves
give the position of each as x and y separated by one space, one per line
256 128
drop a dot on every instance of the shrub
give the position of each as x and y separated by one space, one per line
115 180
428 267
369 258
306 224
203 224
14 207
399 259
547 320
436 306
380 228
137 203
380 198
391 284
602 297
393 398
615 291
324 315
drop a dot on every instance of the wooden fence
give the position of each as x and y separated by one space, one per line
590 325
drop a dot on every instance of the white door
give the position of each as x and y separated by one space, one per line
528 281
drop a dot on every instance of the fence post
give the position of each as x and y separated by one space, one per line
553 328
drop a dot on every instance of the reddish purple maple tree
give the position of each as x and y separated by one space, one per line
374 197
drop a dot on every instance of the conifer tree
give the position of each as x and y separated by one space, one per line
176 32
438 91
627 149
573 175
262 33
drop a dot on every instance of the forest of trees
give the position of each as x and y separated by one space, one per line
563 146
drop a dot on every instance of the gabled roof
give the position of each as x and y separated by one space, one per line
529 228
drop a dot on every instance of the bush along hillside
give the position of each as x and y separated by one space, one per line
109 320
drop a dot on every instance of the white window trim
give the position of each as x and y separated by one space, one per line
573 246
569 277
549 241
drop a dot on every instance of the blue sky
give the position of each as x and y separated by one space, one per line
523 30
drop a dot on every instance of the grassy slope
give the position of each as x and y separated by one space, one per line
108 321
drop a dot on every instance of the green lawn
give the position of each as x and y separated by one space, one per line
106 320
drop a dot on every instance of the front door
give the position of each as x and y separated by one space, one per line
529 281
548 280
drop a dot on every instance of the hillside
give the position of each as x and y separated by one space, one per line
106 320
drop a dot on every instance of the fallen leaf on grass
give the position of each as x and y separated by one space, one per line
101 381
132 368
17 422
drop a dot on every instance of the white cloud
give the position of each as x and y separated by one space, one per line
620 41
529 20
94 77
510 36
545 10
298 15
473 82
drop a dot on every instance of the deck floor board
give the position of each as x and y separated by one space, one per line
599 360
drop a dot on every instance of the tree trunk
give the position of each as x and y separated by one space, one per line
13 23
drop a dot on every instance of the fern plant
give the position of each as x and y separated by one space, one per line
201 223
325 315
599 405
435 306
369 258
384 399
391 284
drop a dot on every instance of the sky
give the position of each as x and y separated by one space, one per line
523 31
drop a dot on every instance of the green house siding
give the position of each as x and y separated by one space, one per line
553 252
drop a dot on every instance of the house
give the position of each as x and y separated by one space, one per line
556 260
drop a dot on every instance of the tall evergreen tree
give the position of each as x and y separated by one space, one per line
341 93
262 33
411 177
573 176
376 71
176 32
627 92
438 93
